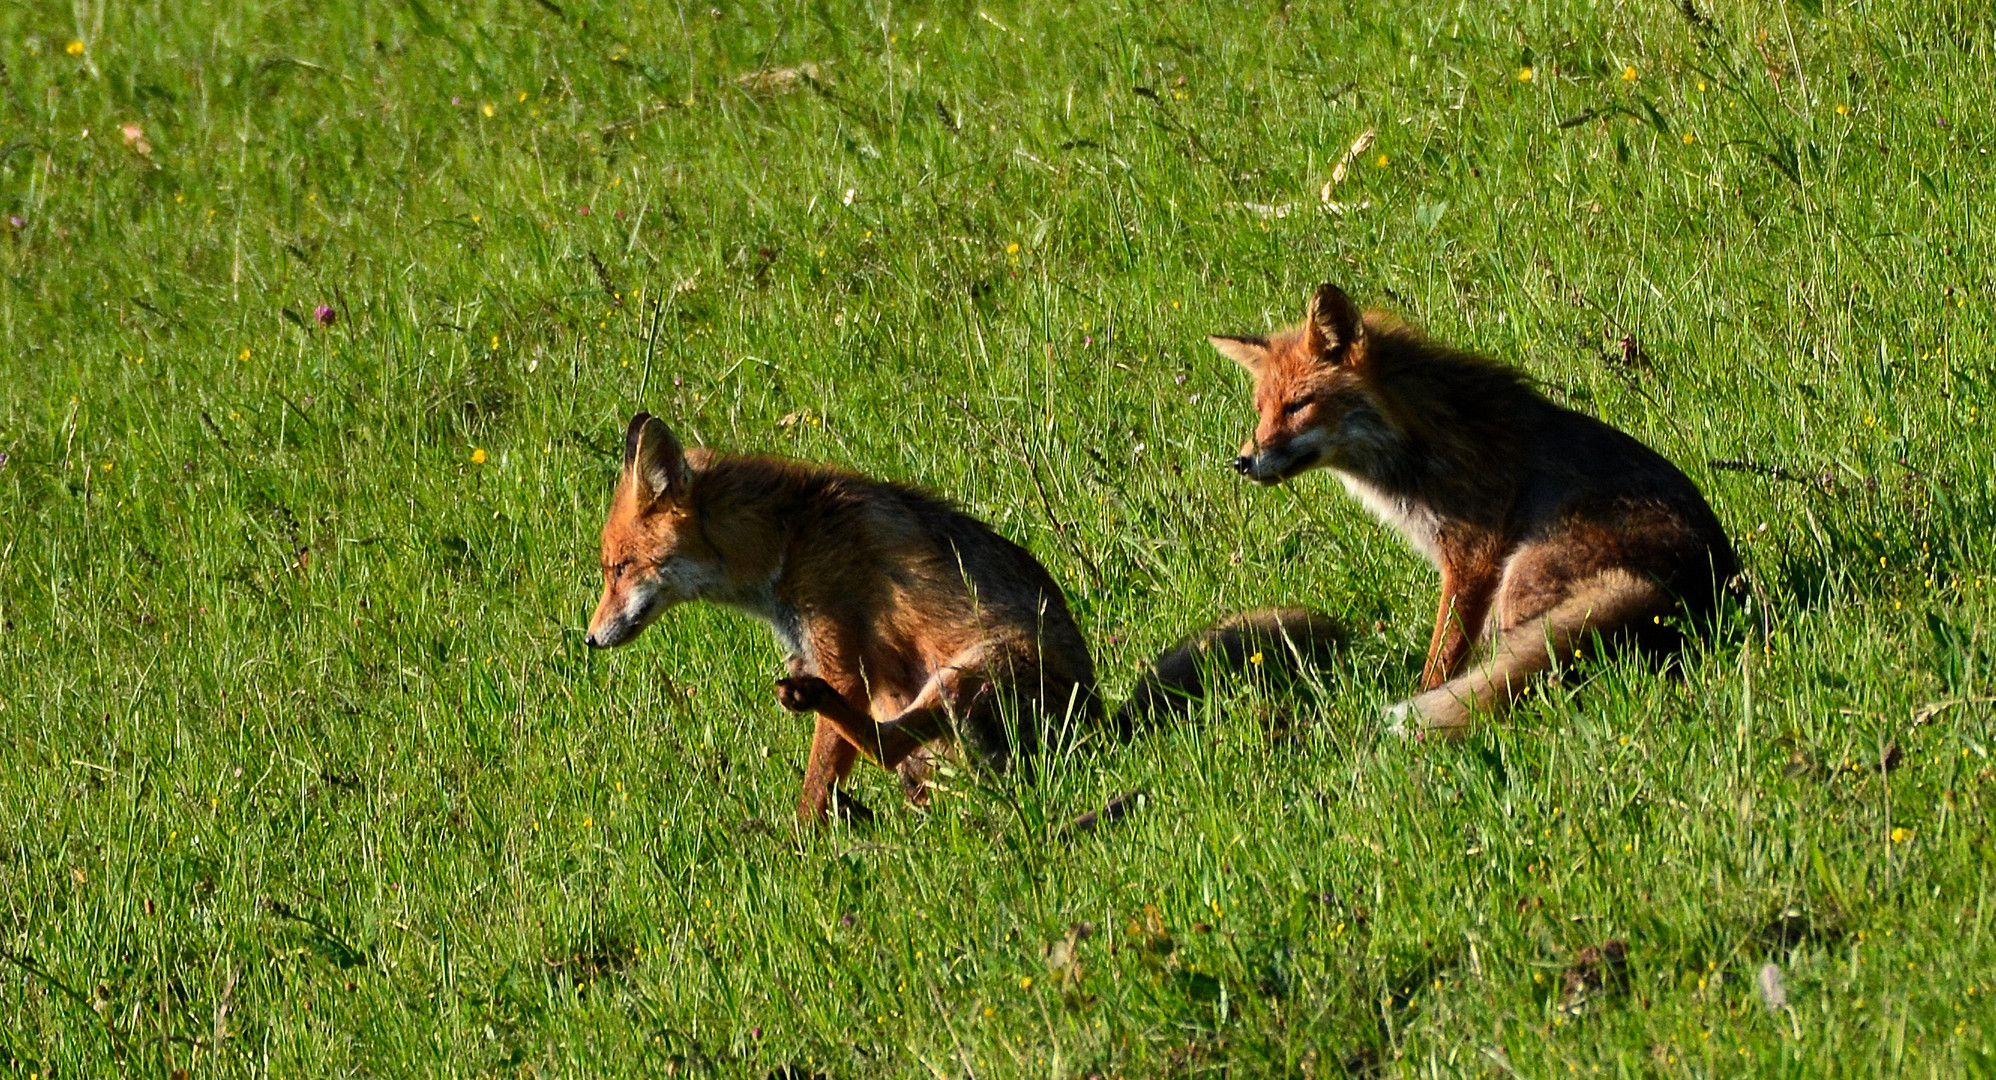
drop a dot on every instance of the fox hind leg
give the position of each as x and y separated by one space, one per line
1611 601
957 693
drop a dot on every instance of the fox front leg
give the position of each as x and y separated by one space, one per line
895 745
832 754
832 758
1468 587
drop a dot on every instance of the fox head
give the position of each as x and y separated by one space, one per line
655 554
1310 387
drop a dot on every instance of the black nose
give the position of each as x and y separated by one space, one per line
590 640
1244 465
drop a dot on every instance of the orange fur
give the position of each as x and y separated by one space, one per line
1548 526
907 623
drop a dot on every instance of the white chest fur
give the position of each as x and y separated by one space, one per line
1417 523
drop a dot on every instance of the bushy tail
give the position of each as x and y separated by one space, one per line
1286 639
1614 600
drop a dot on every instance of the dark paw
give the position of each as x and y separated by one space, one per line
847 808
803 693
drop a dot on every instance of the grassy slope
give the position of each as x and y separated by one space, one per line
305 755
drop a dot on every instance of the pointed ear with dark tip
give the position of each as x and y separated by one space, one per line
631 437
1334 323
655 461
1248 352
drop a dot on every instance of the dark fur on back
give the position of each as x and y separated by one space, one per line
913 568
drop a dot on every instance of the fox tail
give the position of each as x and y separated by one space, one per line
1284 640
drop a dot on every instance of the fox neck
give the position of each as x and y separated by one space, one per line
1382 468
750 555
1418 457
746 572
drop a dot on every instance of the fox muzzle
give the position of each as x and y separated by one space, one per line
1273 466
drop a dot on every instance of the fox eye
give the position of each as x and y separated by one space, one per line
1294 407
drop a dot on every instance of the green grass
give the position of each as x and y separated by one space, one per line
307 771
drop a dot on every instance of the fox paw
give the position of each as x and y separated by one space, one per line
803 693
846 807
1403 718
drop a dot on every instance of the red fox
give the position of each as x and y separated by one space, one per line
907 624
1548 526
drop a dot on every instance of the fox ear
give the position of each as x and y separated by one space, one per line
631 434
1248 352
1334 323
653 458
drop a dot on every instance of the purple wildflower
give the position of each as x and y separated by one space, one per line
18 221
325 314
455 100
585 211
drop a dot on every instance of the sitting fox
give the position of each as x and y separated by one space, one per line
1548 526
907 624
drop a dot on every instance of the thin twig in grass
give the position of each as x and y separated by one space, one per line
1173 125
1059 526
299 409
1116 809
1756 468
603 279
141 301
1585 115
860 113
214 430
1925 714
651 340
222 1006
962 1055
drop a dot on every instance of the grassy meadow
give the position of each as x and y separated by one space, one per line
319 325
